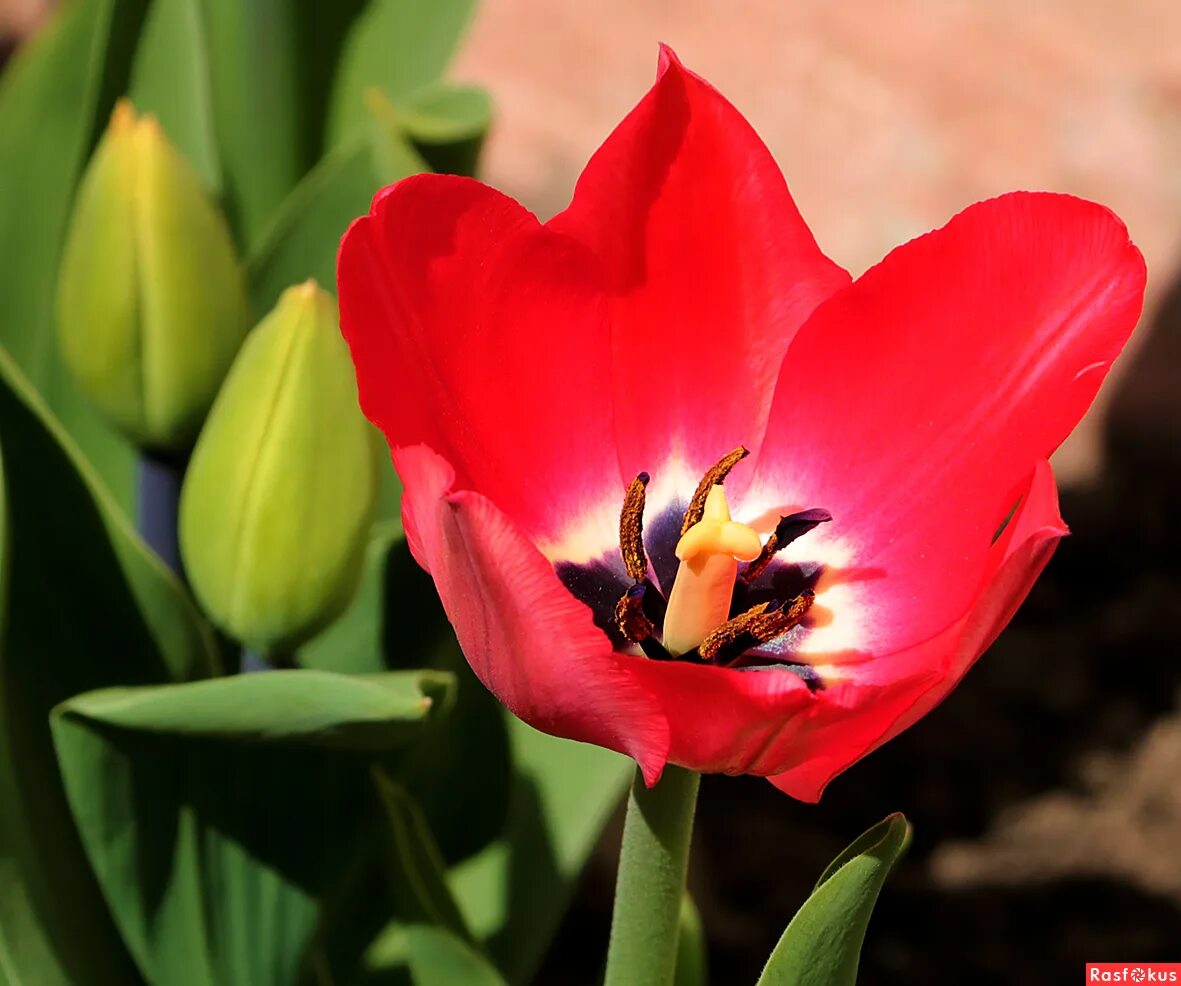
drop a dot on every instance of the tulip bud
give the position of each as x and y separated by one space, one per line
151 299
279 497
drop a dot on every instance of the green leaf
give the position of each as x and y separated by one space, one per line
822 945
692 958
438 957
422 955
460 773
303 239
225 819
55 97
87 606
171 79
71 541
446 123
397 48
312 708
273 63
443 113
515 891
26 954
415 867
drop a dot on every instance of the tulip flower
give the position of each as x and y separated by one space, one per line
686 489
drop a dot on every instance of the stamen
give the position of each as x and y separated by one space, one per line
731 630
777 622
630 617
787 530
631 529
693 622
714 477
758 625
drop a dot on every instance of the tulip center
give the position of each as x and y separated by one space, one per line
712 612
709 553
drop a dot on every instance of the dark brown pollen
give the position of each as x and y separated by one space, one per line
630 617
756 626
715 476
631 529
730 631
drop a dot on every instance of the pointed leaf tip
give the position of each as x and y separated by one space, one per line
822 944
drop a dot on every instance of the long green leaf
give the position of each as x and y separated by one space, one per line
271 65
415 867
822 945
515 892
438 957
224 819
139 606
312 708
172 79
55 97
425 955
88 606
396 48
26 953
303 238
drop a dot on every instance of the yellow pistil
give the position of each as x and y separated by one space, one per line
709 551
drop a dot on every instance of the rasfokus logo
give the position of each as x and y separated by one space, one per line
1134 972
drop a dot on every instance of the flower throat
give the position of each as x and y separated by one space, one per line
696 621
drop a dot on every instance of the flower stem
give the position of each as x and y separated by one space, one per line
651 881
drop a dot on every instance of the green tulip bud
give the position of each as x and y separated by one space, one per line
151 299
279 497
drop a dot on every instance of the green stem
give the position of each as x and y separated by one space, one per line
651 881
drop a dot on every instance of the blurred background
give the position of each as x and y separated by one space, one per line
1045 793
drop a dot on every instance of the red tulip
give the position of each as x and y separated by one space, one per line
531 376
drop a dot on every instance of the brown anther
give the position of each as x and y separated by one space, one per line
714 476
730 631
631 529
777 622
787 530
630 617
758 625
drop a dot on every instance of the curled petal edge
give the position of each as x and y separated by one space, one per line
528 640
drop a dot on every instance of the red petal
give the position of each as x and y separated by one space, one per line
915 403
477 332
726 721
710 268
893 693
527 639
